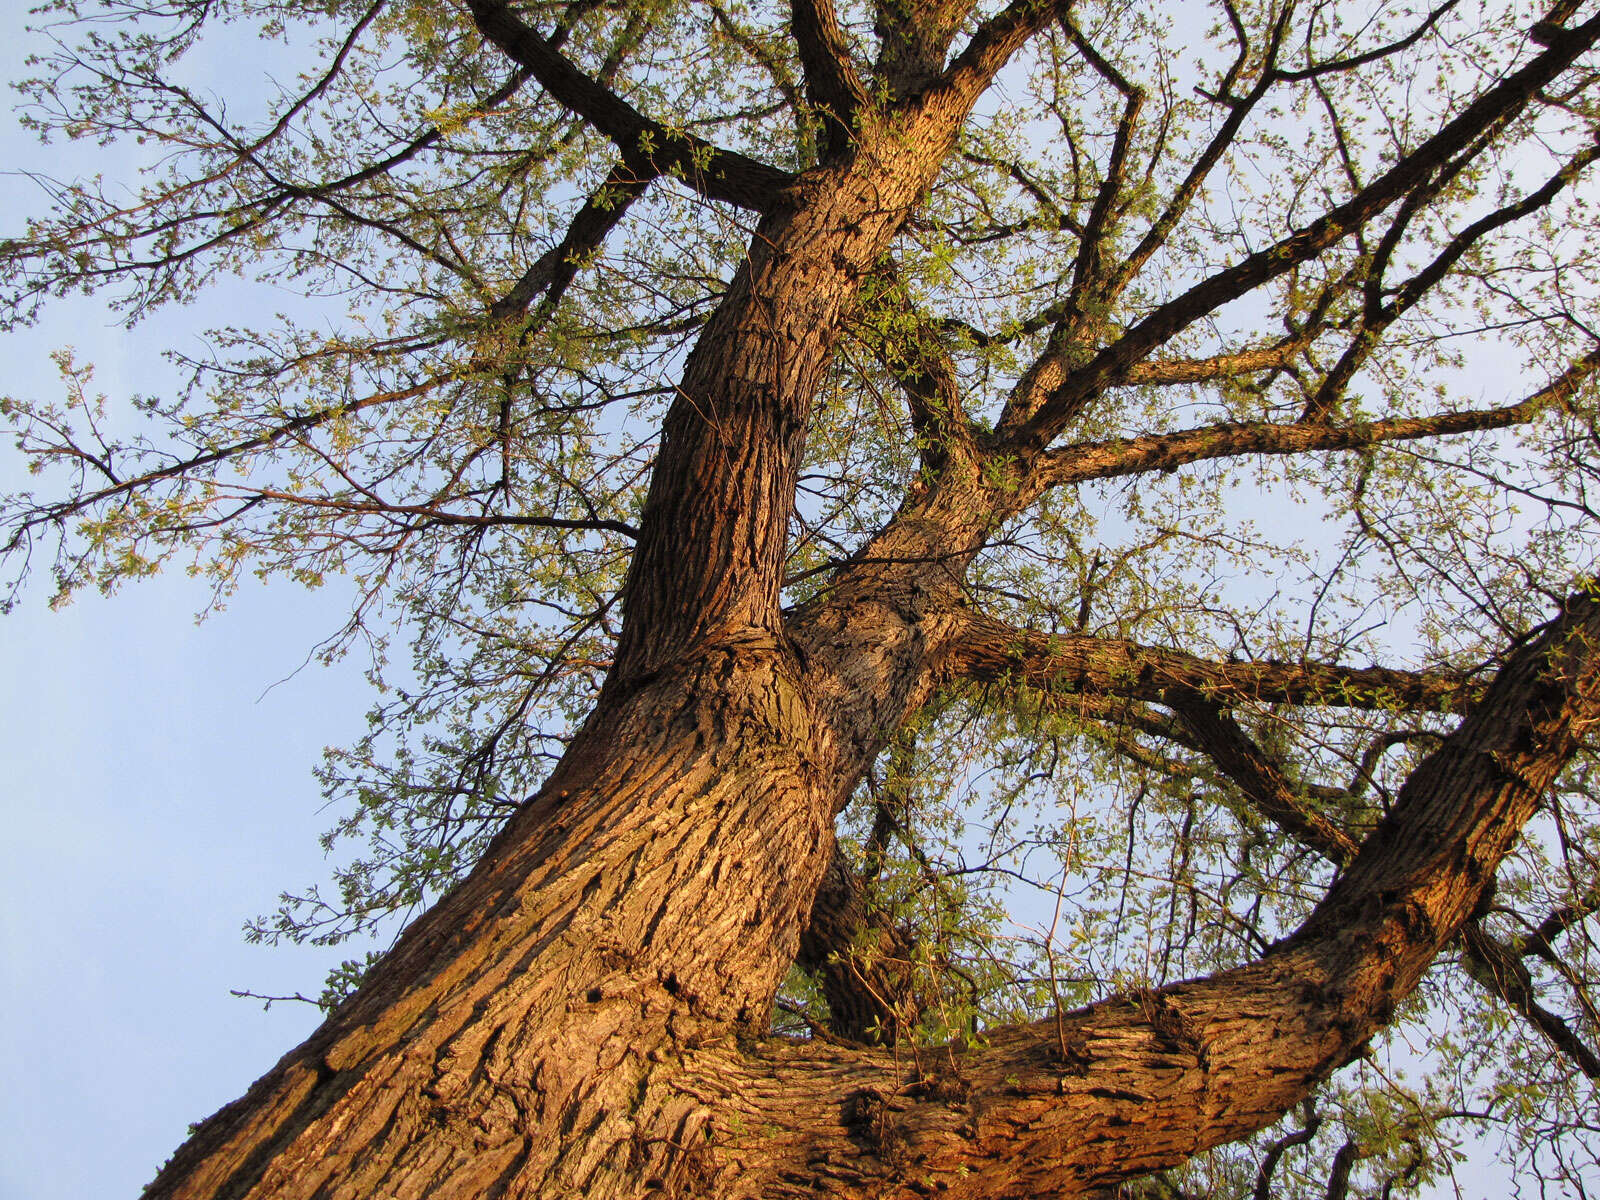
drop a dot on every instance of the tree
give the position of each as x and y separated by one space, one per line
817 454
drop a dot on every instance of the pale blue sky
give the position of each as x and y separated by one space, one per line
154 799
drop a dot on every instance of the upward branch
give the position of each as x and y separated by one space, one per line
831 81
1164 451
1026 429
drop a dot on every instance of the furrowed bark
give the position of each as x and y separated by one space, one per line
914 39
1495 966
505 1046
713 541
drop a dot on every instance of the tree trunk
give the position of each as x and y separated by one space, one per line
518 1038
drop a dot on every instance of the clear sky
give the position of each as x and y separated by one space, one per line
153 800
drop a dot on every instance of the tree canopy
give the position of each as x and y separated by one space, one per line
1099 490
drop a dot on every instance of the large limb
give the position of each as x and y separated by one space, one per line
1143 1081
708 565
711 171
1496 966
981 648
714 533
913 40
1165 372
992 44
1037 414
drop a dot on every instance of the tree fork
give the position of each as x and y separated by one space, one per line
1141 1082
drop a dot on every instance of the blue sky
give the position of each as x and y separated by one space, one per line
155 798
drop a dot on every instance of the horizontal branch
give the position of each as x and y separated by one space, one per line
1116 457
427 515
983 649
1167 372
27 520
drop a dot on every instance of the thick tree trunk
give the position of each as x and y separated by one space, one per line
517 1040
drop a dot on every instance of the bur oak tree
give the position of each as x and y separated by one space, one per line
997 593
